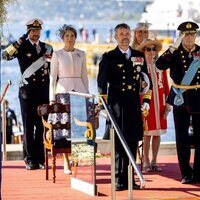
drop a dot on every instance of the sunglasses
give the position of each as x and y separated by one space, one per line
150 49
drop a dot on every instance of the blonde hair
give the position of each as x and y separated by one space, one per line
135 43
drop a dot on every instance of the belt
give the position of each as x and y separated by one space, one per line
124 87
186 87
69 77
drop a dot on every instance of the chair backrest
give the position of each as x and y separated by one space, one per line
46 110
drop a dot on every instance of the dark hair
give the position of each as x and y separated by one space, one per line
123 25
63 29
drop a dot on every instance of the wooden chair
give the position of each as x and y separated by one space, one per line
51 143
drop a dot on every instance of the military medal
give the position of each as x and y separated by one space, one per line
138 68
120 65
137 60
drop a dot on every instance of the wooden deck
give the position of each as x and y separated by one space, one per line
21 184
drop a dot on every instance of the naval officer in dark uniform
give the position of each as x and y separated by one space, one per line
183 60
119 81
34 60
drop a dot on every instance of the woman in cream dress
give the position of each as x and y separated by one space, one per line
68 72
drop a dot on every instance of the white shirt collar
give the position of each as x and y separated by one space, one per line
34 43
127 52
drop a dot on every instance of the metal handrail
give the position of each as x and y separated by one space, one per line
82 94
2 101
124 144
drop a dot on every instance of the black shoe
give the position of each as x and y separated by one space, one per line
40 166
186 180
136 186
119 187
30 165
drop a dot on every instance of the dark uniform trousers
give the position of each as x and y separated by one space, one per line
122 161
33 148
182 122
178 62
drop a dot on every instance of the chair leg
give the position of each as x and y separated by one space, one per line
54 167
47 164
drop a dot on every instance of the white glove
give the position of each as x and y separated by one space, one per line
178 41
145 106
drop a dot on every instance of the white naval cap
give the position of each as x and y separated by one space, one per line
34 24
142 26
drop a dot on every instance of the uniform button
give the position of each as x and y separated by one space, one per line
123 83
184 61
42 69
123 70
133 77
123 89
185 72
197 77
185 66
133 89
42 74
34 79
123 77
42 80
129 87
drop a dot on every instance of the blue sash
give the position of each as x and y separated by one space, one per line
187 79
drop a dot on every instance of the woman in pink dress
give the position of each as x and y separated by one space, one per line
155 121
68 73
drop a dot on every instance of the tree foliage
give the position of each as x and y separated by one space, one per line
3 11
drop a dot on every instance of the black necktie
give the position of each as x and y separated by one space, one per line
126 55
35 47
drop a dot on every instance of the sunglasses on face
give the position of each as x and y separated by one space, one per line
150 49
